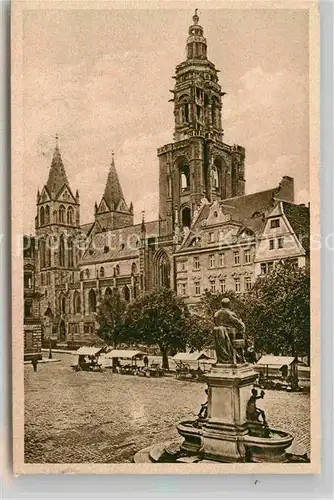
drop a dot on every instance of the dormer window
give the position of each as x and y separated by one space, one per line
274 223
106 249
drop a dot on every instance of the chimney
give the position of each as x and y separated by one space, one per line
285 190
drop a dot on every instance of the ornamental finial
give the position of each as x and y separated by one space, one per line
195 17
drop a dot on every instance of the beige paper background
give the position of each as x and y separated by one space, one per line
18 164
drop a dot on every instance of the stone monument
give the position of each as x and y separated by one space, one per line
229 427
229 387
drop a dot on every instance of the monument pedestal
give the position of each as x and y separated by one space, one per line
229 390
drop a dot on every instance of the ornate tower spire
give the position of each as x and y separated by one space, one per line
197 93
196 43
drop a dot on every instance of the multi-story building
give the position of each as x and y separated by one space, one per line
31 316
207 234
227 244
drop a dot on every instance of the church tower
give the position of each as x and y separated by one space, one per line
198 163
112 211
57 225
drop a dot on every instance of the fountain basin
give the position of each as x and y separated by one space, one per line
191 435
272 449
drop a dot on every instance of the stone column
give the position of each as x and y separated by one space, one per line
229 389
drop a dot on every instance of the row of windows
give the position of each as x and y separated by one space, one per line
276 243
220 287
45 279
212 259
45 253
101 272
267 267
92 300
64 216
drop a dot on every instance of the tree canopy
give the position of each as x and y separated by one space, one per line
276 311
158 318
111 317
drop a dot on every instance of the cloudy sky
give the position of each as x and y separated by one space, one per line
101 80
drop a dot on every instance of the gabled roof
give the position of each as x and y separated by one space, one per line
299 219
86 228
118 243
248 211
57 174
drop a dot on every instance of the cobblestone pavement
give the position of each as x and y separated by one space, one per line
73 417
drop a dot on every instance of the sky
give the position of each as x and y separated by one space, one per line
101 79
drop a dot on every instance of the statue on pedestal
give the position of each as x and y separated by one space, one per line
253 413
229 335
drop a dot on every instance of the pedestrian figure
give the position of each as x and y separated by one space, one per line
145 361
34 363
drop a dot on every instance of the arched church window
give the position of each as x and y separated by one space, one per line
70 254
42 254
101 272
62 304
134 268
47 214
108 292
27 308
184 178
117 270
76 302
48 253
220 176
62 214
186 217
70 215
163 271
87 273
126 293
61 251
215 178
42 216
169 187
92 301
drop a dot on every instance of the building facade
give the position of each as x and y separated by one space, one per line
209 234
32 328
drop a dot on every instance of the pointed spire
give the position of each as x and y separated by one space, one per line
113 192
57 174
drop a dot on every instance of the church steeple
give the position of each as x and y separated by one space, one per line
197 164
197 93
113 193
113 212
57 174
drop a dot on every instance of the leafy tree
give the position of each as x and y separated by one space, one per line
111 317
211 302
160 318
199 332
278 311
